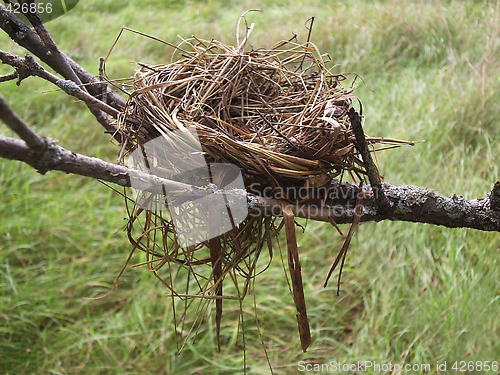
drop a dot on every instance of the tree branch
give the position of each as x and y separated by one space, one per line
410 203
29 67
55 157
8 77
42 46
33 140
73 81
48 42
29 39
421 205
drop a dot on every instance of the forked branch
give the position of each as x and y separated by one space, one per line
77 81
26 37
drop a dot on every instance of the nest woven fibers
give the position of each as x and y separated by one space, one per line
278 114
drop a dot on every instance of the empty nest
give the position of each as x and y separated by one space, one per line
279 114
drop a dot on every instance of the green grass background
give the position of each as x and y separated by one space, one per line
411 293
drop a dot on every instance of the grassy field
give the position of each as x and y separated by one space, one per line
410 294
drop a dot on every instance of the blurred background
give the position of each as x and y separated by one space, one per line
410 293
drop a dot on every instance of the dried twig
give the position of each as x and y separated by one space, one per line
8 77
29 67
296 277
371 169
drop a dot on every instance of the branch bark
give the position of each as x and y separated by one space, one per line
409 203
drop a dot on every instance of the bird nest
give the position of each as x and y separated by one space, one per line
278 114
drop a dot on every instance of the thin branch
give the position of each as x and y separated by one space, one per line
48 42
29 67
55 157
8 77
33 140
29 39
67 71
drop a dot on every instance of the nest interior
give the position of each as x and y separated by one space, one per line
278 114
